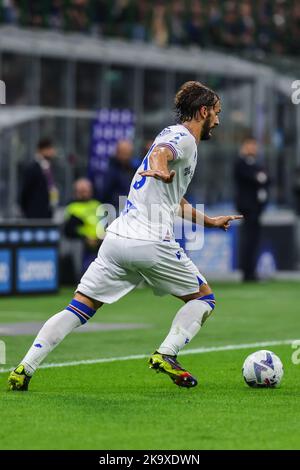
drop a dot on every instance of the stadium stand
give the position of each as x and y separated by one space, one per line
264 26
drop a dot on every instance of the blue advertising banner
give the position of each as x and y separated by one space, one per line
5 271
36 269
217 254
213 251
110 126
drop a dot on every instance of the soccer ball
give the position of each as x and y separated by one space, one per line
262 369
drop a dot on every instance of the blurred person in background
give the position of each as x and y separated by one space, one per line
196 24
101 19
122 17
82 219
214 22
119 174
251 185
56 14
159 27
77 16
141 18
247 26
230 26
177 22
10 11
39 194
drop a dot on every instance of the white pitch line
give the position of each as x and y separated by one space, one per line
229 347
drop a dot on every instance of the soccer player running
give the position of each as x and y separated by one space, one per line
140 245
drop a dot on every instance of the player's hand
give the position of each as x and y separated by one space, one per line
223 221
159 175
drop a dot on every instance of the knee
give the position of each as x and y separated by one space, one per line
91 303
205 289
206 295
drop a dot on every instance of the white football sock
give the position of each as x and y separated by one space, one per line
51 334
185 326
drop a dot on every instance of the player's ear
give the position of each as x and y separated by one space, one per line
203 112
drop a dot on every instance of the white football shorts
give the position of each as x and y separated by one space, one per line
123 263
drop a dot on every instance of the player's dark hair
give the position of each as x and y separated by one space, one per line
44 143
190 97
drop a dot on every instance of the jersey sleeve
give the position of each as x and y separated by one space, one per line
179 142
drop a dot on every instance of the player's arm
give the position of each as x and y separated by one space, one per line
158 163
188 212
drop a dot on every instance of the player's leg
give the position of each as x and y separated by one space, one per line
105 281
186 324
175 273
188 320
77 313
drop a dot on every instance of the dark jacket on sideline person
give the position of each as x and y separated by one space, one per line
117 182
251 184
34 194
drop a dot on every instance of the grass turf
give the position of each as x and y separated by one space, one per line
122 405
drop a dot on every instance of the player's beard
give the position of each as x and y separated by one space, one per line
206 130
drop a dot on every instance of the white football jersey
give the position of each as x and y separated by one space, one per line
152 205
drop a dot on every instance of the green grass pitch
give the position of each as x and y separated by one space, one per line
123 405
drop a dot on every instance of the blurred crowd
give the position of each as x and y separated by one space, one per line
271 26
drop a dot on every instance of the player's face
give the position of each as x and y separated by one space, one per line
211 121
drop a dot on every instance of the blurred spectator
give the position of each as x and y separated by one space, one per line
280 29
230 27
100 18
247 26
77 16
39 195
264 31
141 21
251 183
82 220
177 22
122 17
119 174
294 36
10 11
159 28
214 23
56 14
36 15
196 25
